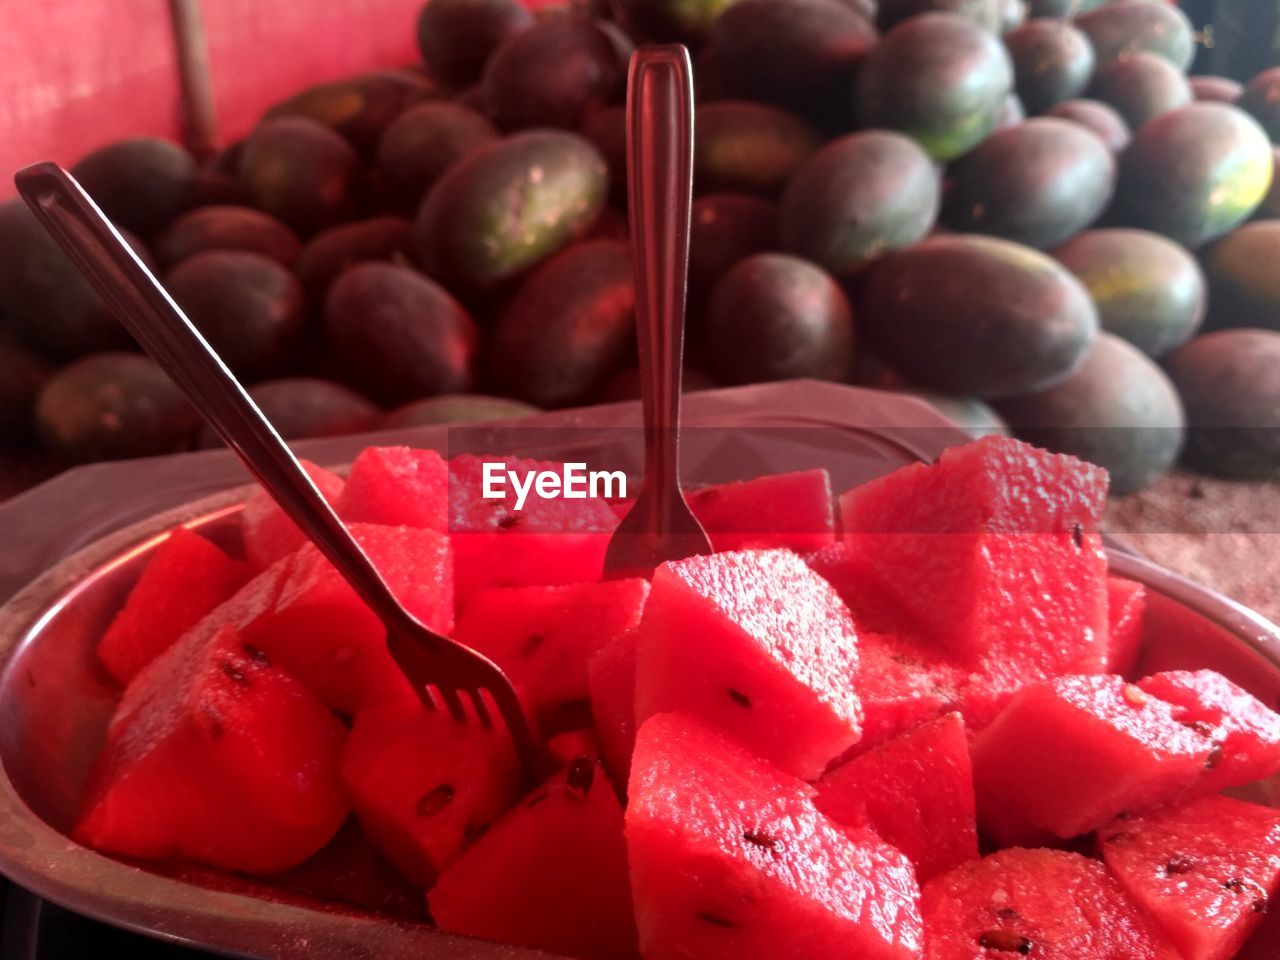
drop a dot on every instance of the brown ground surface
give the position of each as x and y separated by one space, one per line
1222 533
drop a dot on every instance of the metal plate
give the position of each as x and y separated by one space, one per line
55 702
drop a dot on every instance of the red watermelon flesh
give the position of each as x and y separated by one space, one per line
424 785
186 578
793 510
1070 755
994 551
1245 732
1042 904
548 542
323 634
916 792
397 486
612 677
220 757
850 569
545 637
731 859
757 644
1206 871
902 683
551 874
1126 606
269 535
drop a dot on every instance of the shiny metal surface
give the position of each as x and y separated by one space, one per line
55 702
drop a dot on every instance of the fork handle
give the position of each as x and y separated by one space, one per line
660 189
143 306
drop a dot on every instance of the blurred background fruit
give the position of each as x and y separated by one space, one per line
1014 211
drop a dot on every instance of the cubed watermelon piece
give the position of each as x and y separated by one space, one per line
425 785
757 644
1070 755
916 792
218 756
1245 732
1206 871
793 510
551 875
545 637
850 569
1042 904
269 535
323 634
185 579
612 678
994 551
903 683
1126 607
397 486
731 859
548 542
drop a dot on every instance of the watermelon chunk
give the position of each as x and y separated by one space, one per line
612 676
548 542
269 535
1126 606
323 634
397 486
850 569
1245 732
551 875
1070 755
994 551
1043 904
569 745
793 510
424 785
185 579
218 756
545 637
730 858
937 827
757 644
903 683
1206 871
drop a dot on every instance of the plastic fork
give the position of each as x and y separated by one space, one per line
659 526
445 674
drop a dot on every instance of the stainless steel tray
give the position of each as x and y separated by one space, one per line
54 702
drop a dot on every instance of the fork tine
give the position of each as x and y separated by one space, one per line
481 707
454 703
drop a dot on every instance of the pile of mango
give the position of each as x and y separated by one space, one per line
1026 212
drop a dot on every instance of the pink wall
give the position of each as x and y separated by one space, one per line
76 74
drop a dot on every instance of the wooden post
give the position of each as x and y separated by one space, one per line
199 115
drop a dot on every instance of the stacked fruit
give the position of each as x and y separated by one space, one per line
786 749
424 234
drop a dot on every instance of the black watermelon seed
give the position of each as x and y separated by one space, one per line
233 672
762 840
1259 905
1179 865
714 920
740 698
581 775
1006 941
256 655
508 521
1077 536
434 801
1214 758
532 643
